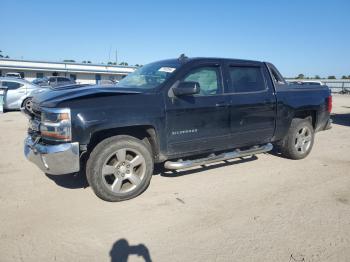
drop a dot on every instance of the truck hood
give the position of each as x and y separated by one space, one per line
53 97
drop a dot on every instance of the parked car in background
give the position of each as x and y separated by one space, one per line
312 83
107 82
12 74
307 82
18 93
54 81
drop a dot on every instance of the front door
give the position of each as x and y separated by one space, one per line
200 122
252 104
14 92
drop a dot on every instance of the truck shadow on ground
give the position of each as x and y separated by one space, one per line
71 181
121 250
160 170
341 119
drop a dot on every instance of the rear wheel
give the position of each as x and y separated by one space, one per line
299 140
119 168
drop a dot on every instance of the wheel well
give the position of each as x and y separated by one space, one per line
22 104
307 114
144 132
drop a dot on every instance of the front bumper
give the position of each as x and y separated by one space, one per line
53 159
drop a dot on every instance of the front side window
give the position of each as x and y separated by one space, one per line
208 79
246 79
62 79
150 76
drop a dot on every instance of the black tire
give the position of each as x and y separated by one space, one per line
295 145
105 154
27 104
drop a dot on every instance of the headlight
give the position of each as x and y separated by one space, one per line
56 124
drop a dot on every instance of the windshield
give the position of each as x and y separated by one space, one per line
149 76
39 81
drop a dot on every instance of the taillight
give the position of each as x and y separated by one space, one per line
329 104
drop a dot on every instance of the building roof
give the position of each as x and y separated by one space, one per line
14 64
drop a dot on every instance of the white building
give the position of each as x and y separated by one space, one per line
82 73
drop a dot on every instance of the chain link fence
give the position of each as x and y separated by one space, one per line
337 86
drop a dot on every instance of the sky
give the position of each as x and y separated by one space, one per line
309 37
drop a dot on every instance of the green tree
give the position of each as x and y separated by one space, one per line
69 61
317 77
1 54
332 77
300 76
123 64
344 77
89 62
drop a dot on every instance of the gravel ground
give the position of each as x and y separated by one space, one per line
261 209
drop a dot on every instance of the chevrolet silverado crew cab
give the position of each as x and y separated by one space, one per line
182 112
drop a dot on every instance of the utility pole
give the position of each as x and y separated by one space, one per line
109 54
116 56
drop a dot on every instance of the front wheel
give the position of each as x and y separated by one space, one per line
28 104
299 141
119 168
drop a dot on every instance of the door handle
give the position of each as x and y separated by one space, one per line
221 104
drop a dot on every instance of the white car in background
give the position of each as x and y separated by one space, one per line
306 82
12 74
18 93
312 82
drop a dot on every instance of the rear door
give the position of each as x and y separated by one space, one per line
198 122
252 103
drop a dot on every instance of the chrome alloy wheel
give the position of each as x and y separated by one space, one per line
28 105
303 140
124 170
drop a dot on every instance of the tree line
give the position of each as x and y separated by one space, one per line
108 63
3 56
302 76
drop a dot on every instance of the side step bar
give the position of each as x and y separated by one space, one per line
216 158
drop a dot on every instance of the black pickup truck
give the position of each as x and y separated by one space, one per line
181 112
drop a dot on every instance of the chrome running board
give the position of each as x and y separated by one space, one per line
216 158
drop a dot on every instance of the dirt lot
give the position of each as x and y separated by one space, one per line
264 209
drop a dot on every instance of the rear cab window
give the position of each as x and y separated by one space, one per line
276 76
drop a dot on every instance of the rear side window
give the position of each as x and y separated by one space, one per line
245 79
11 85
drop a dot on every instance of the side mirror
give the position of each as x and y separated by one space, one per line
186 88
